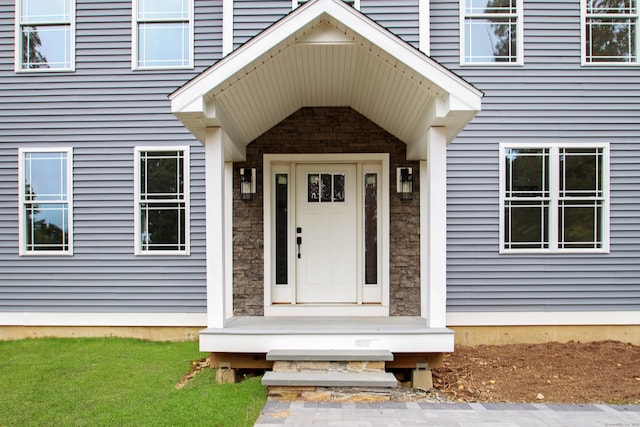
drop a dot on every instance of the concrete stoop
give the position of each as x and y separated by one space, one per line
329 375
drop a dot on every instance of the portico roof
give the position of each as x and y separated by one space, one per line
326 53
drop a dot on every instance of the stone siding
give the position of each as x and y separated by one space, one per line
315 130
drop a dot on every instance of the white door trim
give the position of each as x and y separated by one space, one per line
275 162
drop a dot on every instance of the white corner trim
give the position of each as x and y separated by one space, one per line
539 318
424 19
103 319
227 27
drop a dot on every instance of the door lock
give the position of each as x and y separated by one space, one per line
299 243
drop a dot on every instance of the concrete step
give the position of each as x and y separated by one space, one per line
331 355
329 379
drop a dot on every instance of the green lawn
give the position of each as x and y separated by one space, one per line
116 382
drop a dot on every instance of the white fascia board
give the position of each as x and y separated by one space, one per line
103 319
403 52
531 318
292 24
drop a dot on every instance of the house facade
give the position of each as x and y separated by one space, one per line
323 174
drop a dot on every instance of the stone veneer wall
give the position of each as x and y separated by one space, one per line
326 130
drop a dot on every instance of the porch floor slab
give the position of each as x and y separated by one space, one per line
397 334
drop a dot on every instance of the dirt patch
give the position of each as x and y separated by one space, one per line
194 369
599 372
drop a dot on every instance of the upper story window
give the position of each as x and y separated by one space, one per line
554 198
162 199
163 34
45 202
491 32
353 3
610 31
45 35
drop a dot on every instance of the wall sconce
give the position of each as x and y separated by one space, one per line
247 183
404 183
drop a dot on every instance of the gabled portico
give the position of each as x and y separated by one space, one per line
326 54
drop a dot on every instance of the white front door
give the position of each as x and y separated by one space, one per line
326 233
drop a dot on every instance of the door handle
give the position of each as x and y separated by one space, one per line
299 243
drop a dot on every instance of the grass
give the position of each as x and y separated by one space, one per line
116 382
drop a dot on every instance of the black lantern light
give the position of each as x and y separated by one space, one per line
405 183
247 183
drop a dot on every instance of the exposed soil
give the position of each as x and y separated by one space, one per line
599 372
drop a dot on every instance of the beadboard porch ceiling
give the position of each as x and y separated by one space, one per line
325 53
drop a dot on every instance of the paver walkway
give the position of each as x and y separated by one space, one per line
446 414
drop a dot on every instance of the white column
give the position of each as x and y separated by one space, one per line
433 226
215 227
228 224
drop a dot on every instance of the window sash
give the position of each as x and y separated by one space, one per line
46 208
46 41
162 200
162 39
620 22
491 36
573 215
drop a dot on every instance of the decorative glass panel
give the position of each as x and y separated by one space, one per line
282 229
338 188
371 228
326 188
313 188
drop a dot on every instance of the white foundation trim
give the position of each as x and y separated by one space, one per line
103 319
536 318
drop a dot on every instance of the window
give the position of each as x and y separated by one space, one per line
163 34
610 31
491 32
45 202
45 35
352 3
162 198
554 198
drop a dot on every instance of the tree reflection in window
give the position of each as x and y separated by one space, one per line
46 201
491 31
46 34
611 31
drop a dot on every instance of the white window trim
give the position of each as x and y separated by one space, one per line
22 245
553 187
520 42
296 3
583 46
134 39
187 199
18 41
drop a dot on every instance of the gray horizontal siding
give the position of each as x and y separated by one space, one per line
102 110
399 16
550 99
250 17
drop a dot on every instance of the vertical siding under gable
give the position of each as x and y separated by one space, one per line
102 110
552 98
